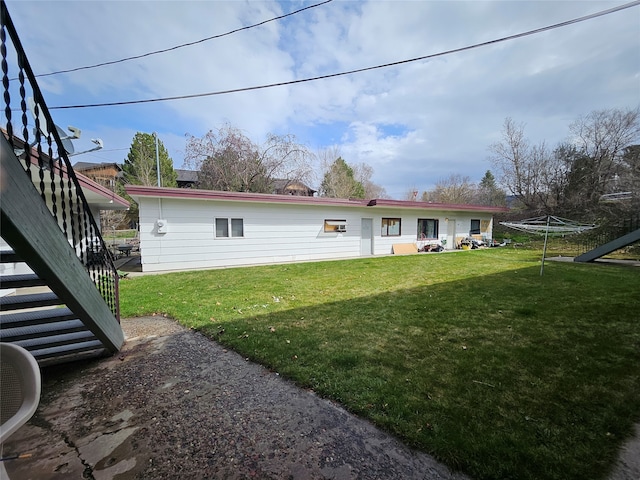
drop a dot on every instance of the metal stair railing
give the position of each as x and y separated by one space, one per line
593 239
46 163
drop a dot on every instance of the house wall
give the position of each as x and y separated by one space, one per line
409 227
272 233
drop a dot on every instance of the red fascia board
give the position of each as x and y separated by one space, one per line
89 184
60 168
195 194
436 206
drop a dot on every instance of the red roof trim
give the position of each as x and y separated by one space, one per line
60 168
194 194
89 184
435 206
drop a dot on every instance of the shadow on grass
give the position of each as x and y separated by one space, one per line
509 375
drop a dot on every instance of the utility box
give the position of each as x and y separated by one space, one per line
162 226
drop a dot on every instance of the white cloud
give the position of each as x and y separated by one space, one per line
413 123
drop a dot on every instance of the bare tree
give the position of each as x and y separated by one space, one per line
411 194
455 189
572 178
111 220
228 160
514 160
630 179
532 173
600 139
284 158
363 173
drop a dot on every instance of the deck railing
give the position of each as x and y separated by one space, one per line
37 143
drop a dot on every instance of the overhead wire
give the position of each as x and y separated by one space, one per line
183 45
360 70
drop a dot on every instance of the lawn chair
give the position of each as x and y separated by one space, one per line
19 392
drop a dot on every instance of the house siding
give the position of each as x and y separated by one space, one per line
273 233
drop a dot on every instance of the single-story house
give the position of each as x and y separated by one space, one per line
190 229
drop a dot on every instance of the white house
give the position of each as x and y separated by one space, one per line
189 229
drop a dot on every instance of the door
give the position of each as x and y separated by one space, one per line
366 236
451 234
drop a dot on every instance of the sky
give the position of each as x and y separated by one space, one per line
414 124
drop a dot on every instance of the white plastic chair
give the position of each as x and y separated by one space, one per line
19 391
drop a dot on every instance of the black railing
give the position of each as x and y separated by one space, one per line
592 239
39 147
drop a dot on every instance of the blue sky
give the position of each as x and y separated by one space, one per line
414 124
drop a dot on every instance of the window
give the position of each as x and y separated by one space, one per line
391 227
237 227
331 226
224 225
427 228
475 227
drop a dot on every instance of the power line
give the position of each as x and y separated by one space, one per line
156 52
360 70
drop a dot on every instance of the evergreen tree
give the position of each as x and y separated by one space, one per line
140 166
339 182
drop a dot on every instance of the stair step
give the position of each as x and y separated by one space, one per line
54 341
61 350
17 302
22 280
9 256
73 356
41 331
35 317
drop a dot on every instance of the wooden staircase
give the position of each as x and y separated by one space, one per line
57 312
37 320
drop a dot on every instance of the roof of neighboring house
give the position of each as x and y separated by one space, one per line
82 166
195 194
96 195
186 176
283 183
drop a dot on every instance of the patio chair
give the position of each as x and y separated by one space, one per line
19 392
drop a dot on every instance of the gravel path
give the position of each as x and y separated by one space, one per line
174 404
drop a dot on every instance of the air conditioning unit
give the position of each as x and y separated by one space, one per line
341 228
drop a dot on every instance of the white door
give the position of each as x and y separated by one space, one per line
451 234
366 236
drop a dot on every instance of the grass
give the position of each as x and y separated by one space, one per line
470 356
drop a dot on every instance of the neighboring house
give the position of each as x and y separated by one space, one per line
291 187
189 229
186 178
105 174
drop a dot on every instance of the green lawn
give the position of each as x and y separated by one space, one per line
470 356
